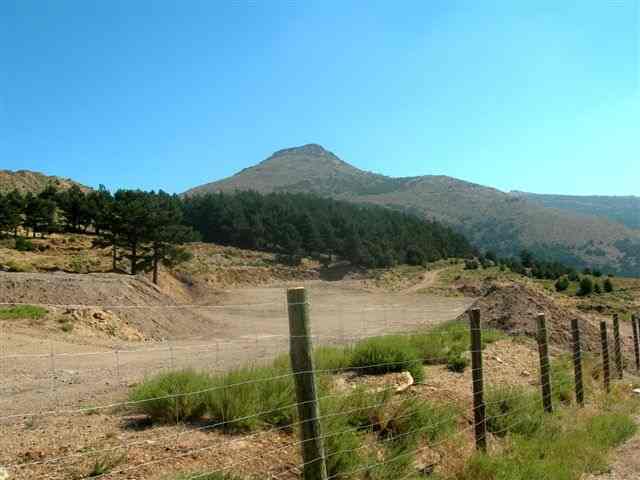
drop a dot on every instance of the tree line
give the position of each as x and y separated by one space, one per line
296 225
149 228
144 228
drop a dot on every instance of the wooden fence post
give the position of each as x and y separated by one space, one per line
635 323
617 342
315 467
577 362
605 356
479 408
543 350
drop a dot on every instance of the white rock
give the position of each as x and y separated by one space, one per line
636 391
406 381
4 475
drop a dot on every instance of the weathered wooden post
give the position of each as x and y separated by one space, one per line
617 342
479 408
635 323
543 350
315 467
605 356
577 362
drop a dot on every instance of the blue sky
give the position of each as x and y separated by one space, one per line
537 96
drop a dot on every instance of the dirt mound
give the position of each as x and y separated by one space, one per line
126 306
513 308
80 289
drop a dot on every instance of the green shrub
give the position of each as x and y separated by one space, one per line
18 312
456 362
472 264
608 285
586 287
172 396
24 245
392 353
66 327
597 289
513 410
562 284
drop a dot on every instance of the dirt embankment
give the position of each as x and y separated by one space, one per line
513 308
117 306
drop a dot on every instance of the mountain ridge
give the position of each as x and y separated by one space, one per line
492 219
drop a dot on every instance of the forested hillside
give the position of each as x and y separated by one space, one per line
489 218
147 228
624 210
303 224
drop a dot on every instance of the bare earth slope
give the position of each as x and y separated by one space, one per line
490 218
27 181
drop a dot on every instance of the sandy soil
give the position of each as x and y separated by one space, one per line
154 452
44 368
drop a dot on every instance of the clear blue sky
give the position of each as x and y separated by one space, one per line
539 96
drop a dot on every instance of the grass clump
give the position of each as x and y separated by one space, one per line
251 397
562 449
19 312
332 358
391 353
171 396
445 344
562 380
104 465
514 410
205 476
345 419
412 420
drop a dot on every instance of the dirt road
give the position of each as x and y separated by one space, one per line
60 371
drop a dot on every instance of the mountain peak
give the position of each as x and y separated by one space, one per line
308 149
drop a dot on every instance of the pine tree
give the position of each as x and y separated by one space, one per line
166 232
75 208
39 214
99 203
131 225
11 207
15 205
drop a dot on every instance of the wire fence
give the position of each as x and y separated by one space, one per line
69 414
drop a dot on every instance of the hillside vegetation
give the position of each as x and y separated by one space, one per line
147 229
297 225
624 210
26 181
489 218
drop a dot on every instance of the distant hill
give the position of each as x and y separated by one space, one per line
624 210
490 218
34 182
